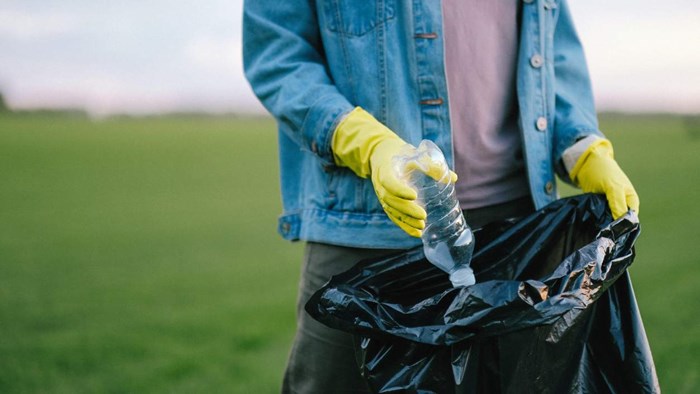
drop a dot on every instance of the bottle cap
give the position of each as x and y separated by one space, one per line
462 277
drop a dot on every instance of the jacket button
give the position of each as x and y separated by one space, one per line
430 36
549 187
536 61
314 147
541 123
437 101
286 227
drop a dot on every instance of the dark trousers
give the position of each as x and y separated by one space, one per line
322 360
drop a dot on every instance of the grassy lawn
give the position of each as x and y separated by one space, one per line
141 255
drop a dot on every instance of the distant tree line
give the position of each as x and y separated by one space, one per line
72 112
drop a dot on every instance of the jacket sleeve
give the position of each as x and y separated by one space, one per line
284 62
575 114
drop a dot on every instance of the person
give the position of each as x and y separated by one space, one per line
501 87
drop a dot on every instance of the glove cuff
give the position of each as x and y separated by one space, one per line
571 154
355 138
598 148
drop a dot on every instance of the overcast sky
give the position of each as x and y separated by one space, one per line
165 55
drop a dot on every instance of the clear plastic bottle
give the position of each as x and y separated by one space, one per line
448 241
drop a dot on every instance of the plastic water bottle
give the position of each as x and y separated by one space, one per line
448 241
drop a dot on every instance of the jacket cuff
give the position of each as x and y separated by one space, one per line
573 153
320 124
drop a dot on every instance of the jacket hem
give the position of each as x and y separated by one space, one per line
360 230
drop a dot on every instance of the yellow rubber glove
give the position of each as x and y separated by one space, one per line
596 171
367 147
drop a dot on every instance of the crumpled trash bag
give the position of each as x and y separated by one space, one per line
553 311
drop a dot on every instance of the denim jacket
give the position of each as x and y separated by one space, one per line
312 61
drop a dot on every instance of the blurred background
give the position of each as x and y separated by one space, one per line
139 193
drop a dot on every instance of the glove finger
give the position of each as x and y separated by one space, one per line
403 218
413 232
409 230
405 207
633 199
394 186
616 201
434 170
439 173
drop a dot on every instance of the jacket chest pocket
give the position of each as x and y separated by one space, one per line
357 17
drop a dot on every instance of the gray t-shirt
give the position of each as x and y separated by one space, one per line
481 46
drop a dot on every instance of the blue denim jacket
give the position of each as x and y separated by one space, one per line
311 61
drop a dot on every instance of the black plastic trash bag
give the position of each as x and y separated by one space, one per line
553 311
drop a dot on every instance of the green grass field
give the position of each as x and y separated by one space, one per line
141 255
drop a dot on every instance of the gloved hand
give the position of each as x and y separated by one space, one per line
367 147
596 171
